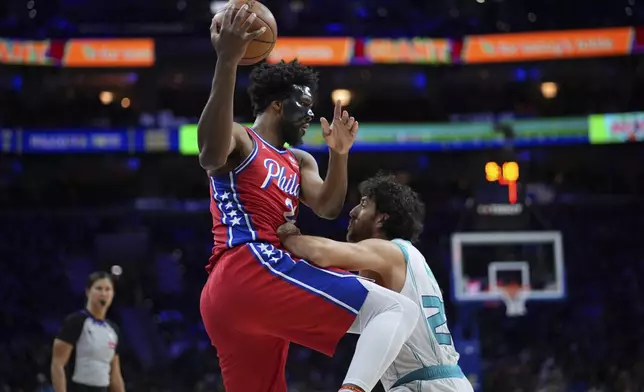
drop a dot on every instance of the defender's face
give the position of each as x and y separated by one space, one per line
297 113
363 223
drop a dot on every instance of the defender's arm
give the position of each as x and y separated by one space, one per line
372 254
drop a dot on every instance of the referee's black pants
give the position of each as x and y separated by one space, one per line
75 387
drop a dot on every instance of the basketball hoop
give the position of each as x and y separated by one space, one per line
514 296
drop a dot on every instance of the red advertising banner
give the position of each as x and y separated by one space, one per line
409 51
547 45
313 51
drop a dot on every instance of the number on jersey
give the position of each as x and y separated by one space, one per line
437 319
290 213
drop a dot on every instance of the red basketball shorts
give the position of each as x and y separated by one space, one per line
258 299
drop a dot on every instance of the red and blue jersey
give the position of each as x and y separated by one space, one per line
249 203
270 297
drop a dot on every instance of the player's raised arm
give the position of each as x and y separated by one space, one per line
215 131
326 197
374 254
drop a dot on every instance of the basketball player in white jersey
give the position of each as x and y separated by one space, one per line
380 234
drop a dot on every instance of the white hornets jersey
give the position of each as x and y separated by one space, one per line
431 342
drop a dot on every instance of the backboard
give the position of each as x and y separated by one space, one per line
483 262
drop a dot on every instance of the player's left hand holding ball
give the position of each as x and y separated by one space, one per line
341 134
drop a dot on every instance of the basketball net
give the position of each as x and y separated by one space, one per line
514 297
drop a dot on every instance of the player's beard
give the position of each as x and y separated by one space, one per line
291 132
353 232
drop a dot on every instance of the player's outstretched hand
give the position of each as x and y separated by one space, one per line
231 38
341 134
286 230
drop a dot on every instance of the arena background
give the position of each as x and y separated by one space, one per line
97 171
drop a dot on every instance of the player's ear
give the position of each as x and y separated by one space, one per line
380 221
277 105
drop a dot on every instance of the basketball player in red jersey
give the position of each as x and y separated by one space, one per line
258 298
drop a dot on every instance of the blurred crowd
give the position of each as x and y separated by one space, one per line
63 18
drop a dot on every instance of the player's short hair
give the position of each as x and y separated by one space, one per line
403 206
274 82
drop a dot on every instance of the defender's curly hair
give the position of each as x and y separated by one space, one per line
274 82
403 206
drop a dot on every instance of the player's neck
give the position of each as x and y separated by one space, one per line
381 236
97 313
267 128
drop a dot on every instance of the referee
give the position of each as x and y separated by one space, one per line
94 342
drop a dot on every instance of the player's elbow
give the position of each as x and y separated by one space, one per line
332 214
326 211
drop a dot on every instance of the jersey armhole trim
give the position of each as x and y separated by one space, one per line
292 154
403 249
253 153
283 151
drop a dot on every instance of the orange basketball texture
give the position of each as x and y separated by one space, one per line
259 48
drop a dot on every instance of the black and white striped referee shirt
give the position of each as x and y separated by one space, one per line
95 342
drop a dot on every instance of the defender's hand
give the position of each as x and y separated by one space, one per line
232 37
286 230
341 134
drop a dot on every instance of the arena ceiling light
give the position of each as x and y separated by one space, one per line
106 97
116 270
549 90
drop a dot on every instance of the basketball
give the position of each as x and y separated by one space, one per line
261 46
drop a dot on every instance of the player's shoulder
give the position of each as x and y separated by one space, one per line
304 158
388 261
241 132
408 248
384 248
300 154
239 128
